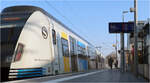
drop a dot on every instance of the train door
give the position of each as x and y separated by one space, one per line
59 50
72 54
65 52
55 50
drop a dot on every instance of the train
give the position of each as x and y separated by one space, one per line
34 43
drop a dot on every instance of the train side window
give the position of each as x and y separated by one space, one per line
72 45
54 36
65 48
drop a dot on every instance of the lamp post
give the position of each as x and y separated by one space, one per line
135 39
122 44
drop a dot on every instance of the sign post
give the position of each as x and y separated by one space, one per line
121 27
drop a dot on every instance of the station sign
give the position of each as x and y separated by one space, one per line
121 27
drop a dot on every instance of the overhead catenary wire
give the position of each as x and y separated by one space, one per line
69 21
106 47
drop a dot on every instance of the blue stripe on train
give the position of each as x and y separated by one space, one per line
29 76
23 70
24 73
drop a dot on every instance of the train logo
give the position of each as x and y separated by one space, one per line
44 32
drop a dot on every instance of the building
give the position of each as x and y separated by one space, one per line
143 49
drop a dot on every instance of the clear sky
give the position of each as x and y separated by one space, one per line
89 18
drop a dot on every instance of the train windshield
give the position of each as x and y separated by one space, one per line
10 29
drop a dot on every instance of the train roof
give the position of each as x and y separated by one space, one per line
34 8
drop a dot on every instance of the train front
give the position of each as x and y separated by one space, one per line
11 26
24 32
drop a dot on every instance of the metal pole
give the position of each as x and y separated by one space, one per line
122 44
135 39
116 48
122 47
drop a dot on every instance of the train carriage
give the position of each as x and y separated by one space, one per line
34 43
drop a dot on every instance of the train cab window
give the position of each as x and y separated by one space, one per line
10 28
54 36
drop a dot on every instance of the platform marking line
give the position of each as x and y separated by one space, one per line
25 80
72 77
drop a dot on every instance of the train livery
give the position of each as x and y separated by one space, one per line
34 43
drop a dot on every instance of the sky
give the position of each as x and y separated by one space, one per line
89 18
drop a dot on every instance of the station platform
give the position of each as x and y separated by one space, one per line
102 76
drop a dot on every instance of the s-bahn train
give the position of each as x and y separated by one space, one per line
34 43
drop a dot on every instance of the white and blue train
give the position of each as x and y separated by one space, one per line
34 43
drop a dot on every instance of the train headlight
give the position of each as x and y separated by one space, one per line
19 52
